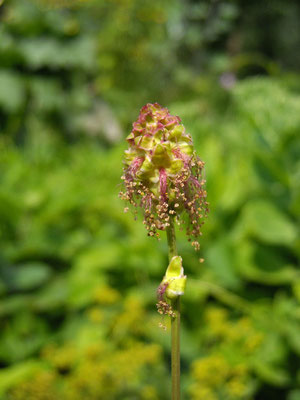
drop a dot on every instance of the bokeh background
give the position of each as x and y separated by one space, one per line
78 277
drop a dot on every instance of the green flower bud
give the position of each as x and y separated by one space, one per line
172 286
162 173
174 279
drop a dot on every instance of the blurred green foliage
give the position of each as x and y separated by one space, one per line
78 277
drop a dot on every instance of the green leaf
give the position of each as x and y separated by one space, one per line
48 52
294 395
272 110
11 376
274 375
267 364
269 274
47 94
31 275
220 259
22 337
13 304
262 220
12 93
53 296
87 274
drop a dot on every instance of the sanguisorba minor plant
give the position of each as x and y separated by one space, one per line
163 177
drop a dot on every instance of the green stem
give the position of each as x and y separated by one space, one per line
175 322
171 239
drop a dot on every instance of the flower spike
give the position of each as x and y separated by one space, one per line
162 173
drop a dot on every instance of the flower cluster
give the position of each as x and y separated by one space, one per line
217 374
162 173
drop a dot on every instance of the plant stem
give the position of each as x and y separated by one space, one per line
175 355
175 321
171 239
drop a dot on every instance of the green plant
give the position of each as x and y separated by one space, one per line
163 176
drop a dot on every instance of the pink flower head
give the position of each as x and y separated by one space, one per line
162 173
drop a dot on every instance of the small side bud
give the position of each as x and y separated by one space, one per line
174 279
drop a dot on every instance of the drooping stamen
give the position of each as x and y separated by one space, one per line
163 184
135 165
161 291
194 181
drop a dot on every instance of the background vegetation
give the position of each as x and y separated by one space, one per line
78 277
